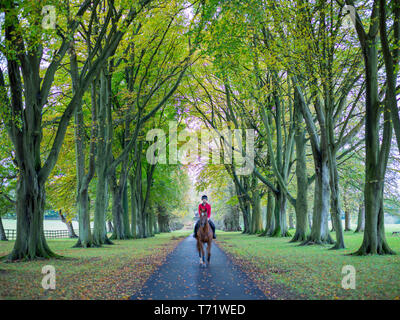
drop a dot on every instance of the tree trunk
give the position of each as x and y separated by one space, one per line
377 154
155 224
291 218
332 223
99 230
70 227
30 242
245 208
119 205
133 207
110 226
85 239
301 176
281 229
163 220
336 209
3 236
347 221
102 159
270 219
119 231
125 212
361 219
320 230
151 222
256 217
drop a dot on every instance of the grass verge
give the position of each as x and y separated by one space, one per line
110 272
314 272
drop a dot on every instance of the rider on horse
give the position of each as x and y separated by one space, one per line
204 207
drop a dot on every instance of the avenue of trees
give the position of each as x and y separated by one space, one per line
315 80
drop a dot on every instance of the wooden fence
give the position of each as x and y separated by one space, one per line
11 234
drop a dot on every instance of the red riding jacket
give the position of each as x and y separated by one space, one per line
206 208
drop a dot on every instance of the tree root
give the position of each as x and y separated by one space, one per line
90 244
298 237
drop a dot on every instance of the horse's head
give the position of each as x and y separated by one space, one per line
203 219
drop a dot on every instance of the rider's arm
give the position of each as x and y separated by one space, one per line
209 211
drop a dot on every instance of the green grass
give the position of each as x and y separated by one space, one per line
110 272
314 272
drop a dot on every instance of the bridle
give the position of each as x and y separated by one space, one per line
202 223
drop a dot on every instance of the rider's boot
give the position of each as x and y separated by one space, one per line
195 232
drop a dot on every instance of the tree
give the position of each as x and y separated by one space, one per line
376 148
29 94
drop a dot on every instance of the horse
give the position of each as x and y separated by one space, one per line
204 235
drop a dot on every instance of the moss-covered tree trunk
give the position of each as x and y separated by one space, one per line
320 230
133 207
30 199
376 152
245 207
281 229
256 217
336 210
120 231
85 239
125 212
328 134
99 228
84 178
103 149
301 207
270 218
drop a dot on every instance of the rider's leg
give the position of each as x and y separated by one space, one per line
213 228
196 227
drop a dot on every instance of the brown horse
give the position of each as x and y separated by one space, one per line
204 235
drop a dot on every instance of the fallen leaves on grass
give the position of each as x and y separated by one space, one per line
93 273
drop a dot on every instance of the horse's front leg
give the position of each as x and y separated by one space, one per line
199 249
202 254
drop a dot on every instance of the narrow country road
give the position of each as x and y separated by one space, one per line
181 277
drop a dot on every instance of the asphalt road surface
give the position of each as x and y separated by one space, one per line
182 278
